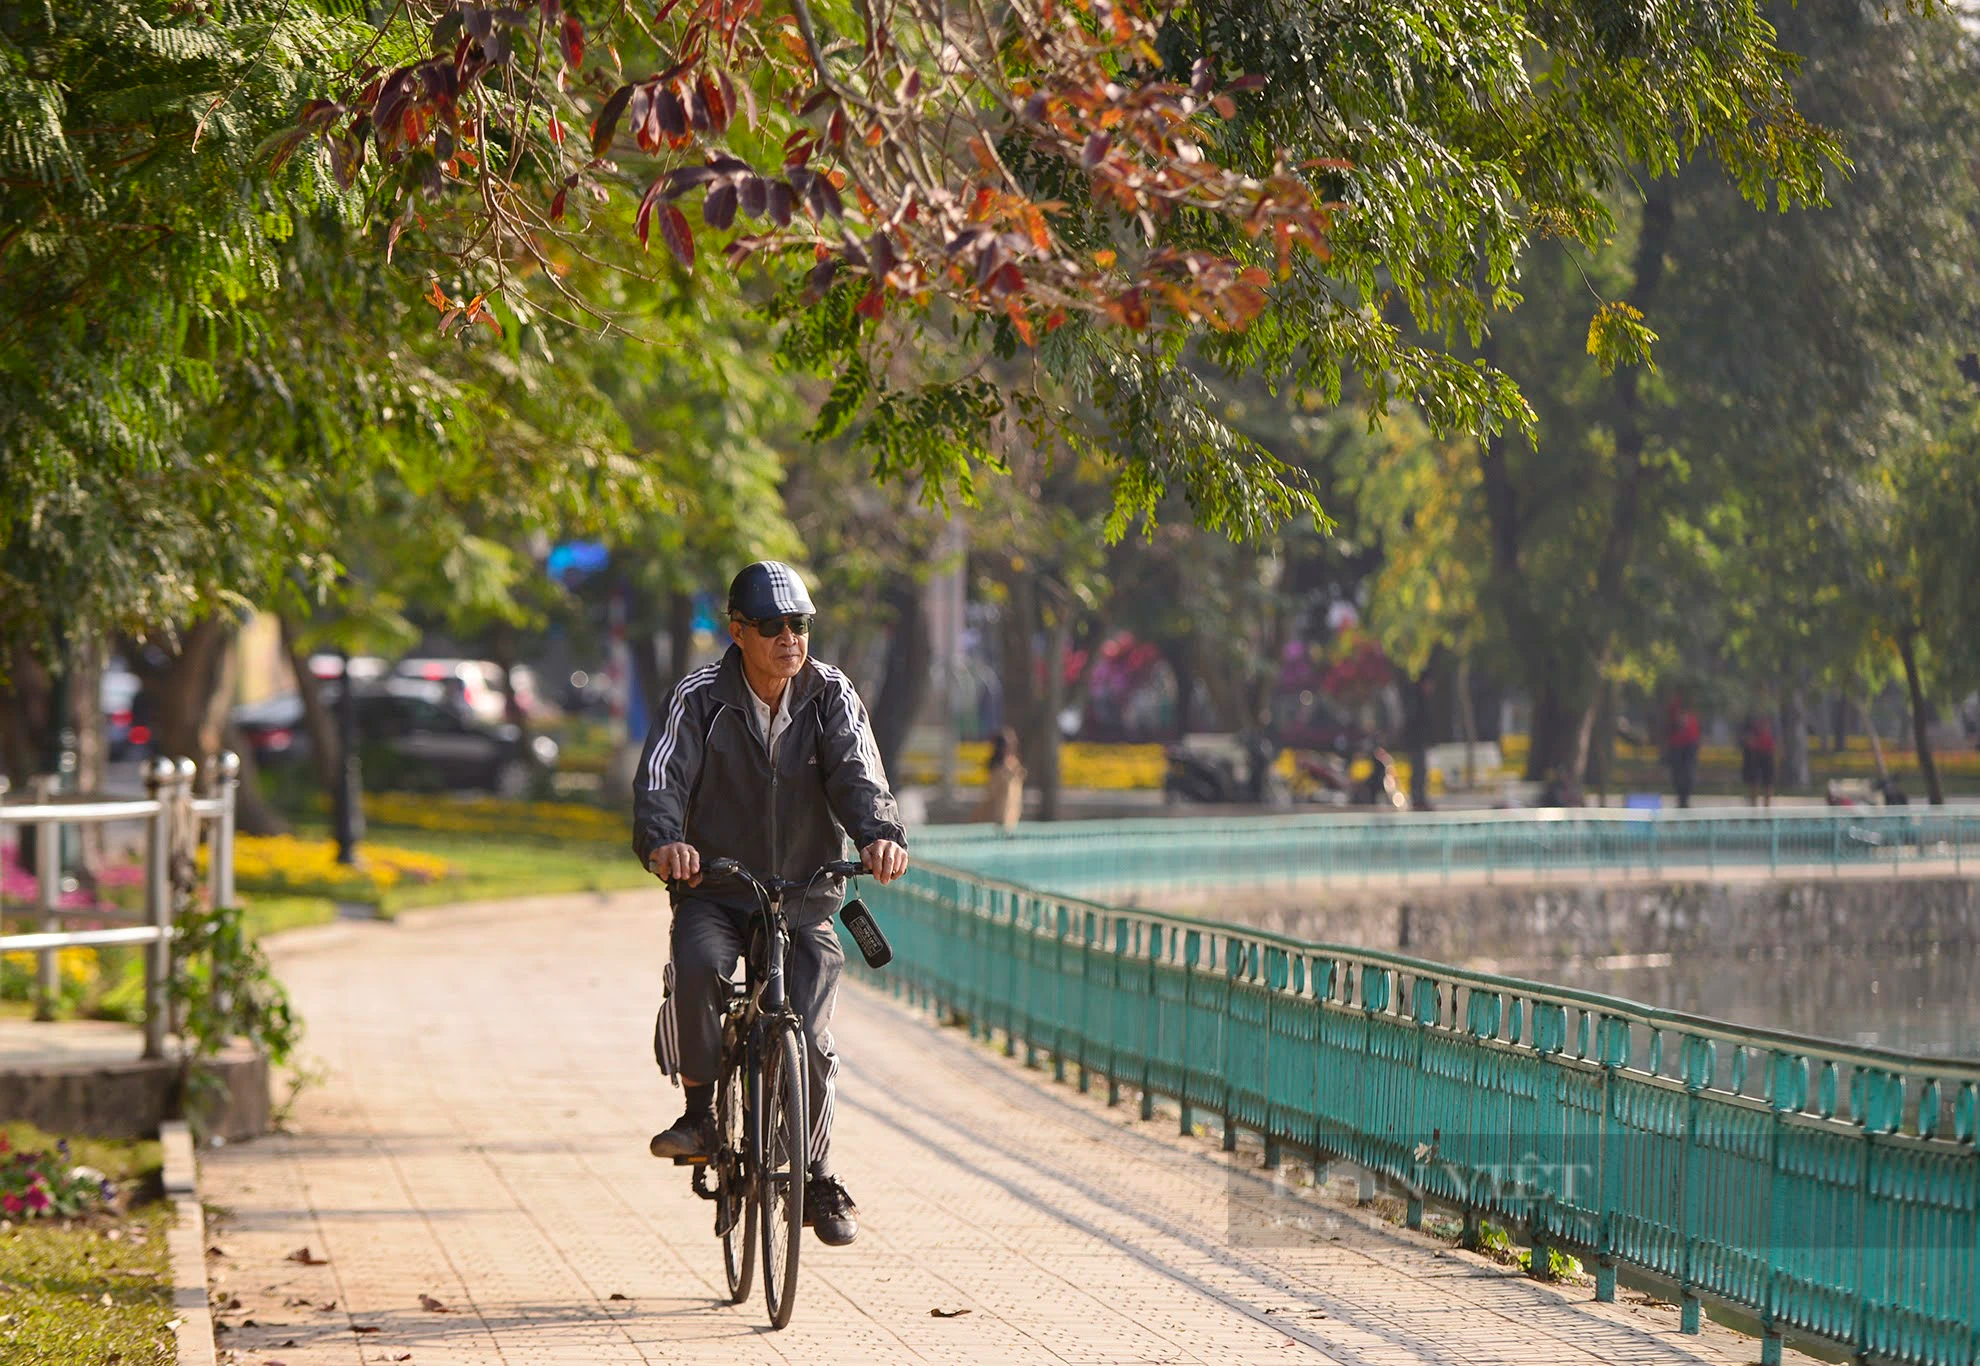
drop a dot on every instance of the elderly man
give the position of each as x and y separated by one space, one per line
765 757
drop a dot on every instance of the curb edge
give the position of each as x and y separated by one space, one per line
185 1245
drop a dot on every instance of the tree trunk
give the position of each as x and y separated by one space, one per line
680 639
323 752
253 813
1553 733
1876 741
1467 722
1908 652
26 714
1602 751
1794 741
905 678
1416 735
1058 634
184 689
505 657
1181 657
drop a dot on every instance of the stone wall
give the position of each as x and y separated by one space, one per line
1536 923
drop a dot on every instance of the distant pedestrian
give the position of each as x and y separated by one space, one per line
1003 788
1756 759
1681 736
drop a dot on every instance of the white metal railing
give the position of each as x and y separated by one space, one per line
174 819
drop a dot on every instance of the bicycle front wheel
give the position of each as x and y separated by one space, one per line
780 1172
735 1212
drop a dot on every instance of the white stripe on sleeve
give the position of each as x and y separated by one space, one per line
656 771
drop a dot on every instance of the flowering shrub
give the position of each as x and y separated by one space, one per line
79 971
43 1184
18 886
1083 764
287 865
493 816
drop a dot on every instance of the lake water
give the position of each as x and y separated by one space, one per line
1926 1004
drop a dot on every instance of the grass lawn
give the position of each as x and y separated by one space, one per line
95 1290
492 868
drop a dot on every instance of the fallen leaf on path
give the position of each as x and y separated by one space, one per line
946 1313
433 1306
216 1251
615 1295
366 1328
308 1258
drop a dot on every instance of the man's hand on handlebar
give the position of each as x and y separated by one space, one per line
884 859
680 862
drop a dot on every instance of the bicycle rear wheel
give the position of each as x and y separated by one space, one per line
780 1173
735 1212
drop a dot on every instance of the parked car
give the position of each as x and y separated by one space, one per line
414 734
476 682
273 728
427 738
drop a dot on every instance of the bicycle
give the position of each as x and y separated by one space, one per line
762 1113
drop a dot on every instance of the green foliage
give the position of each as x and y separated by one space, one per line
224 989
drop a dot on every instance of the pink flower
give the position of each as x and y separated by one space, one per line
37 1198
11 1203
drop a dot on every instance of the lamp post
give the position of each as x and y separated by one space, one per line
347 801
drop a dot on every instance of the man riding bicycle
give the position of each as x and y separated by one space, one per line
765 757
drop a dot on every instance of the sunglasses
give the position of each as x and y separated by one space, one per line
772 627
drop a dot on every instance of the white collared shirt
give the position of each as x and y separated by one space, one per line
771 727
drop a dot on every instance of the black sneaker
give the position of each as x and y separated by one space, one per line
688 1136
830 1211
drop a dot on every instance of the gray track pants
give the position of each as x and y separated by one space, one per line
707 941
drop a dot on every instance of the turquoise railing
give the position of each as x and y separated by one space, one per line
1162 854
1828 1190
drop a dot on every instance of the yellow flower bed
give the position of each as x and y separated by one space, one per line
493 816
297 867
1116 768
78 969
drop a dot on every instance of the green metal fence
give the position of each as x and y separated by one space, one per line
1121 856
1827 1189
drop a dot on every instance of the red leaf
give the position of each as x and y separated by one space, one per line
718 210
643 220
1095 150
718 108
556 131
872 304
672 118
570 37
753 195
557 205
608 120
680 239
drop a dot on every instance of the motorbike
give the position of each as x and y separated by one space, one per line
1230 772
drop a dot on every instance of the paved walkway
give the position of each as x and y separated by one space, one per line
479 1140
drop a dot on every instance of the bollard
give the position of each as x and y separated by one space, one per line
221 874
161 777
48 887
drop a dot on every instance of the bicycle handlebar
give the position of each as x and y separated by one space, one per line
728 867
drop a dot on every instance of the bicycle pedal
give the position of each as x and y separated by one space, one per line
693 1161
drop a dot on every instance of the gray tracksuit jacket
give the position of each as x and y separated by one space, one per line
705 777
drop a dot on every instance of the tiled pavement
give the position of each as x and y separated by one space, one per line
479 1139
